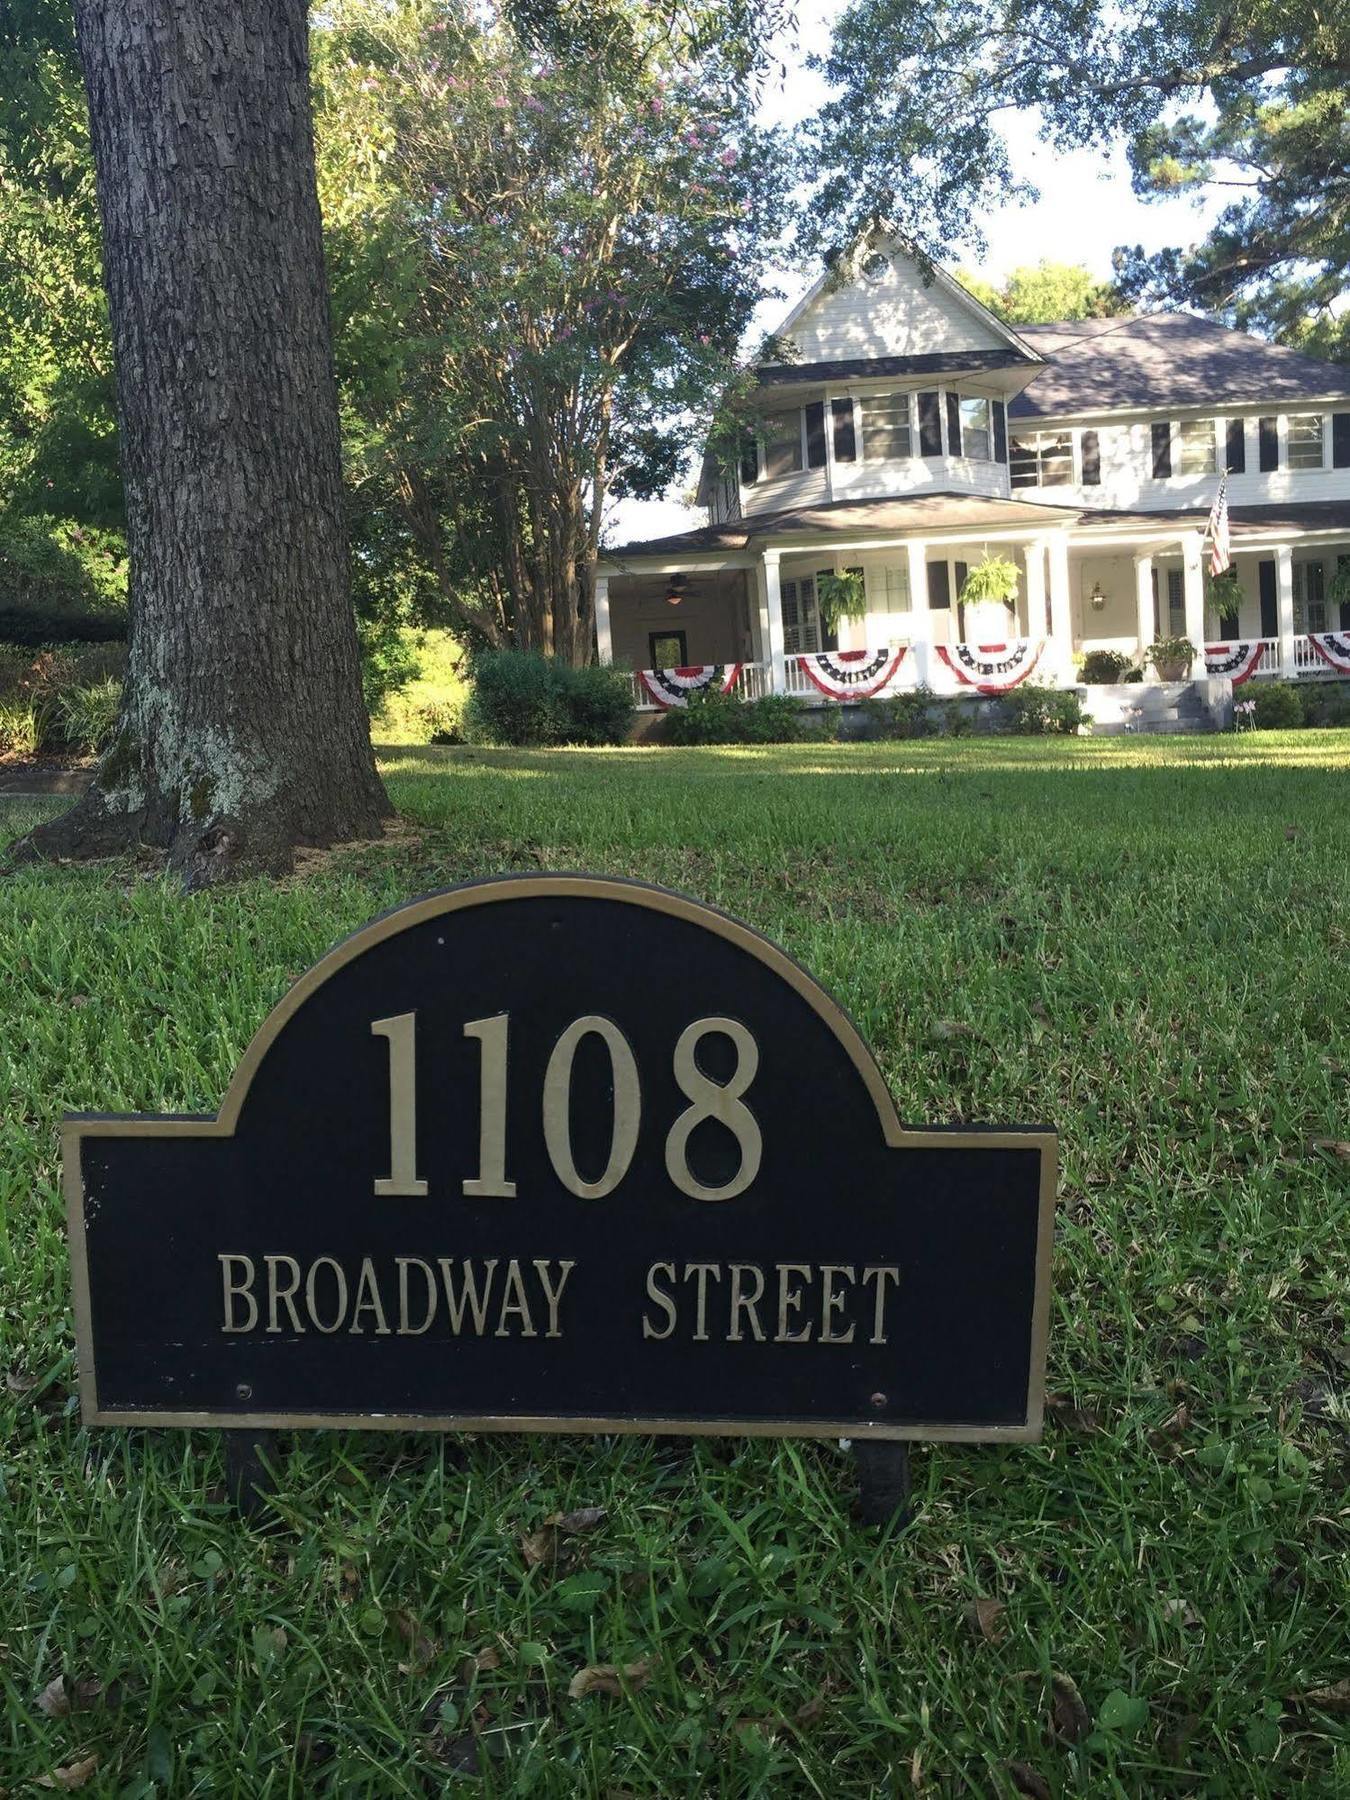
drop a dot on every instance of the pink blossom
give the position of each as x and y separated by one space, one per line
500 102
728 159
438 25
703 338
656 108
536 105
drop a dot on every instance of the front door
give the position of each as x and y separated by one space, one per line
667 650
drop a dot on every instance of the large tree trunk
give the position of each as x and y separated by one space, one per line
243 731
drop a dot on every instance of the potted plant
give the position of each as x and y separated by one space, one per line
1172 657
841 597
1223 594
991 582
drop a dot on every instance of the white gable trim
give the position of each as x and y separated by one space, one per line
941 279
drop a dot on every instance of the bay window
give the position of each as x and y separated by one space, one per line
975 437
782 434
886 427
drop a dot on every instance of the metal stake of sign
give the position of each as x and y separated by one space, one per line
883 1481
250 1457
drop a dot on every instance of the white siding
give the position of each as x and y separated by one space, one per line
1128 485
895 315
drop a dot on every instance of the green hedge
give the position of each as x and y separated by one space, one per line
710 717
522 699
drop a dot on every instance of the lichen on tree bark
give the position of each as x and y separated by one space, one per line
243 729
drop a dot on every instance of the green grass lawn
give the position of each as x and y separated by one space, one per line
1146 943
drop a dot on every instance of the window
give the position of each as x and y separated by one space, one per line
885 424
1042 459
782 443
801 617
888 589
1305 441
975 428
1176 602
1197 447
1310 607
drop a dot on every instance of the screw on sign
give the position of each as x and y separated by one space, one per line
562 1153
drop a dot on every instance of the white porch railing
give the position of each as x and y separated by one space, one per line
754 680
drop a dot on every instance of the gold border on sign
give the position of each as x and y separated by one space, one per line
77 1126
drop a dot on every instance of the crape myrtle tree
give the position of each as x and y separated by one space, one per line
1248 101
556 258
243 731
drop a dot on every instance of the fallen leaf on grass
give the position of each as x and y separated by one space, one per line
54 1700
1069 1715
1025 1779
425 1648
1335 1146
1173 1427
1073 1418
539 1547
490 1657
1334 1699
1181 1612
73 1775
584 1518
17 1384
986 1617
944 1030
607 1678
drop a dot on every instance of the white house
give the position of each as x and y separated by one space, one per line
912 435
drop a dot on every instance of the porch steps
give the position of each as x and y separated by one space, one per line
1158 708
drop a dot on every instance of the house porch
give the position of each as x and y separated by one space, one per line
1079 590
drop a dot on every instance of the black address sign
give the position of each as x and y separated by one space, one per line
561 1153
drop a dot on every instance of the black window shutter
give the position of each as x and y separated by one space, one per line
1340 440
930 426
1235 452
749 459
815 435
1092 459
845 443
1000 432
939 588
953 424
1270 612
1162 449
1268 439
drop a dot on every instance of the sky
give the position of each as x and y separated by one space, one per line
1085 209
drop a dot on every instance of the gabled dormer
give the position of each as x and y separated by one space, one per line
887 379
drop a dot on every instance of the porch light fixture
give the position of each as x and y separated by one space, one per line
675 589
1097 598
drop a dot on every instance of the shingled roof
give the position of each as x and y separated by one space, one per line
1163 360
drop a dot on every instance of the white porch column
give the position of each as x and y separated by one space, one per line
1033 559
1284 591
604 643
1143 602
920 619
1193 593
1061 614
771 619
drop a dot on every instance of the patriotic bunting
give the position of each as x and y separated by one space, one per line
851 674
992 668
1241 661
1333 647
672 687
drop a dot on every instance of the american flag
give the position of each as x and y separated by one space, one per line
1220 550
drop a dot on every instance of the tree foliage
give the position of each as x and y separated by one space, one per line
1044 293
539 268
1206 95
